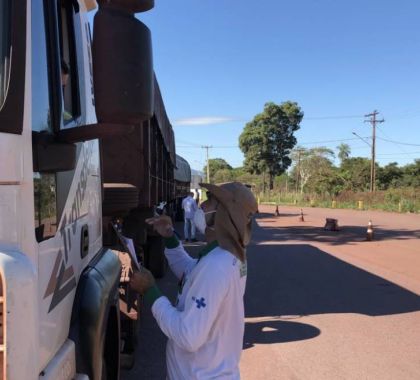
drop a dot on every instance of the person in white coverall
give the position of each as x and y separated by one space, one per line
189 205
205 327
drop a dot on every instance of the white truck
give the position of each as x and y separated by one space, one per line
63 93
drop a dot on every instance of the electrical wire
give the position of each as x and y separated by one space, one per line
397 145
333 117
398 142
304 143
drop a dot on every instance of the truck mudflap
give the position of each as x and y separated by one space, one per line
20 316
95 323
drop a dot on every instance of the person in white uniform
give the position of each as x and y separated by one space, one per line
205 327
189 205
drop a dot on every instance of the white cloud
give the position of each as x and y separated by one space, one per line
203 120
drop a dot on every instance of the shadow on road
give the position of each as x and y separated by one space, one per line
299 280
269 332
302 280
346 234
272 215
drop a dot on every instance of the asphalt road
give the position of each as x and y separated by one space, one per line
319 304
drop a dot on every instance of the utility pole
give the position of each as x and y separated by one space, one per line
373 120
207 147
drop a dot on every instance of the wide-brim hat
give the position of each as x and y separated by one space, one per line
234 215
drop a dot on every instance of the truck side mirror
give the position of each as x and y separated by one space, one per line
130 5
50 156
122 68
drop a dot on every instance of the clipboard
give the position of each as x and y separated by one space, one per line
129 247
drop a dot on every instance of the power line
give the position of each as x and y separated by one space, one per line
398 142
397 145
395 117
328 141
304 143
189 143
395 154
214 146
333 117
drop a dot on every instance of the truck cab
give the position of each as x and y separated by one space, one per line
65 93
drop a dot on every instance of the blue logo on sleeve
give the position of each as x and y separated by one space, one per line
200 302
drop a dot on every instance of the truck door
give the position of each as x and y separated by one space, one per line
67 202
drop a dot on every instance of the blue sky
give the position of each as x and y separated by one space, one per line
218 62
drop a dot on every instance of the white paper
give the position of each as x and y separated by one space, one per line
131 250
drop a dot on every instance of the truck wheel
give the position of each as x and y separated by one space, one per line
111 352
127 356
104 375
156 260
119 198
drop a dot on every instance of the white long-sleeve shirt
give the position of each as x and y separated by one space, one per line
189 205
205 329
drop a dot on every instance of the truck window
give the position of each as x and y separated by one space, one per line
45 206
41 111
12 65
5 44
44 183
54 81
69 77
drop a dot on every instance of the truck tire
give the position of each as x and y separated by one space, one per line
95 321
104 375
110 363
119 198
155 256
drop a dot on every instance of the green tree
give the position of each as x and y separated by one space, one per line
411 174
237 172
356 172
268 139
343 152
223 175
314 170
216 164
389 176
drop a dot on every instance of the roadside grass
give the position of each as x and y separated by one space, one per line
405 200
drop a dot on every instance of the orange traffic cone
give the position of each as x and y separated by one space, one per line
276 213
301 218
369 232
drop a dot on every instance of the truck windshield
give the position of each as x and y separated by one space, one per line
5 45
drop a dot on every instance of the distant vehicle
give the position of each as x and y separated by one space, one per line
182 185
197 177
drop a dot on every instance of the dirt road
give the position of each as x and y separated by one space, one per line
322 305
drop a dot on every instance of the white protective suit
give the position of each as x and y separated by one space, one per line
206 327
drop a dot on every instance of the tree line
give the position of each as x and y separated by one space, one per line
316 173
273 161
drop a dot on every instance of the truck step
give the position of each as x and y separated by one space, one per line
81 376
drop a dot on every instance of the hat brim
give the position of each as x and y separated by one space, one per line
222 195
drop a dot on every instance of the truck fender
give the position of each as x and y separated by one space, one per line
95 312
